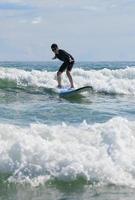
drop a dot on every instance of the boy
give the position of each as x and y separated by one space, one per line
68 62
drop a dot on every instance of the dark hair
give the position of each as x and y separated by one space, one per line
54 46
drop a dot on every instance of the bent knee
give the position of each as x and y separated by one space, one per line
58 73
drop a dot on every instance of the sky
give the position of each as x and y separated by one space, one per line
91 30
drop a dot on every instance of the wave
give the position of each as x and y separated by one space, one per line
99 153
120 81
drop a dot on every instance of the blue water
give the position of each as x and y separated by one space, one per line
80 147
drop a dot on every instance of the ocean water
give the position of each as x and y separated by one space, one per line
75 148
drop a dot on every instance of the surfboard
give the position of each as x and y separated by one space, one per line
63 92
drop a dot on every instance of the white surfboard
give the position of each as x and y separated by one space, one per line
63 92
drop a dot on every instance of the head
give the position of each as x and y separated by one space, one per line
54 47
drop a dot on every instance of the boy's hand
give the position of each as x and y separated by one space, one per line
54 58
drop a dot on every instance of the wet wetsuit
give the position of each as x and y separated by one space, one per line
65 57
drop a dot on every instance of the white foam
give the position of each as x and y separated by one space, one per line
100 152
120 81
29 78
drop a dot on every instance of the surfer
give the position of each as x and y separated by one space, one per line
68 62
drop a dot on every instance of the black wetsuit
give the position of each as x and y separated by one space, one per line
65 57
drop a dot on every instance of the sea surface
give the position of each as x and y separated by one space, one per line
75 148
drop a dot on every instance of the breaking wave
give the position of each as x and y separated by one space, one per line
119 81
101 153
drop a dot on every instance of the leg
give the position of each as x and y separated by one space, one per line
68 72
59 79
70 78
59 73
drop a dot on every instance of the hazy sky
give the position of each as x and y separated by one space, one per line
91 30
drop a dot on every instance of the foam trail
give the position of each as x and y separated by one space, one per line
120 81
102 153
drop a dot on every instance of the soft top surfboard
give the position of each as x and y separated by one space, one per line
72 91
